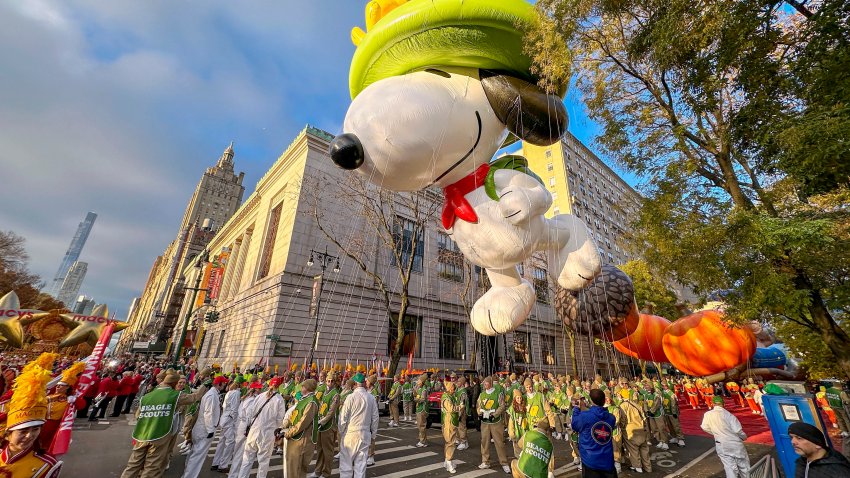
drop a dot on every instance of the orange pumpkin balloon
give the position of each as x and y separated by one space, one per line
703 344
645 342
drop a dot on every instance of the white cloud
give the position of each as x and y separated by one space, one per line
117 108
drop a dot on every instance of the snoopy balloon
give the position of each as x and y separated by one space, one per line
438 87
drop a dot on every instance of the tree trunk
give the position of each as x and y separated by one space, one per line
832 334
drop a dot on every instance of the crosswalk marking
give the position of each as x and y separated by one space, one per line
388 461
418 470
474 473
379 442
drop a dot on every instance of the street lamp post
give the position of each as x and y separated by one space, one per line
324 260
199 264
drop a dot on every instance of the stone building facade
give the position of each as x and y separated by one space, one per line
264 304
216 197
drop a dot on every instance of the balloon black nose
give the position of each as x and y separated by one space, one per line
347 152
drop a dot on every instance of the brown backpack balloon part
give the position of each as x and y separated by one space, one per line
605 309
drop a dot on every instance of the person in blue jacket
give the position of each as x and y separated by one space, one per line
595 428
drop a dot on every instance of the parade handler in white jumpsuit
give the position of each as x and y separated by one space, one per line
728 439
209 413
264 419
246 406
227 424
358 425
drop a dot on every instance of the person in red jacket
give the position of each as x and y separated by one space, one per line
106 391
134 390
88 396
125 386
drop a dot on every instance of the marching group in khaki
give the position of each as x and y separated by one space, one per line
333 419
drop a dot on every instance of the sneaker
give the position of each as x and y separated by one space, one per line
224 470
483 466
556 436
421 444
450 467
370 461
618 467
672 440
463 446
665 446
312 474
336 457
637 470
681 443
506 469
659 445
214 468
576 461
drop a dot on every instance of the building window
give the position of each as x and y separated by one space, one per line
522 347
549 155
407 236
549 166
268 246
547 350
452 340
551 181
541 284
554 196
220 343
610 258
481 278
556 211
449 258
410 338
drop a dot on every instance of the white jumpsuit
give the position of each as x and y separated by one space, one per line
728 441
229 417
209 412
358 424
245 408
259 444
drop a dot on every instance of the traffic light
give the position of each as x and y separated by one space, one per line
211 317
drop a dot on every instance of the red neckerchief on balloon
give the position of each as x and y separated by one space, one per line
456 205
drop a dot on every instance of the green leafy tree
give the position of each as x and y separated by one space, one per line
736 114
649 289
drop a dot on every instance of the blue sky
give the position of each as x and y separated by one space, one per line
117 107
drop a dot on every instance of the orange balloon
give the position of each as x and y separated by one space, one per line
703 344
645 342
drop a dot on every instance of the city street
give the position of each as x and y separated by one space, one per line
102 450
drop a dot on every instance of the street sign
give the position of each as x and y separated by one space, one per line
273 337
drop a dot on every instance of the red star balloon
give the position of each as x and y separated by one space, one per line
87 328
13 318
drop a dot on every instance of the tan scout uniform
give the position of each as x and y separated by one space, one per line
491 407
420 398
149 458
450 411
301 437
462 396
637 441
328 409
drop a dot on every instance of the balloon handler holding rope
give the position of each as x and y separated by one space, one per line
438 87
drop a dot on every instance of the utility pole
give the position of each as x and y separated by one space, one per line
324 261
202 259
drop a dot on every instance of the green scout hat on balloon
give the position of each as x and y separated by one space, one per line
409 35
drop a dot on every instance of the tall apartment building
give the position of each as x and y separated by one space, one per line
581 184
266 291
72 283
72 254
216 197
84 305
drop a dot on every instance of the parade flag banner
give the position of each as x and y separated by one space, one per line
205 282
409 362
217 274
62 440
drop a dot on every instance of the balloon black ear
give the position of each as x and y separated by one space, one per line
527 111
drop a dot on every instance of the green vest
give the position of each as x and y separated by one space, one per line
833 396
490 402
534 458
653 408
668 401
462 395
320 390
156 414
454 416
421 393
342 396
394 391
407 392
519 421
324 406
535 407
298 414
